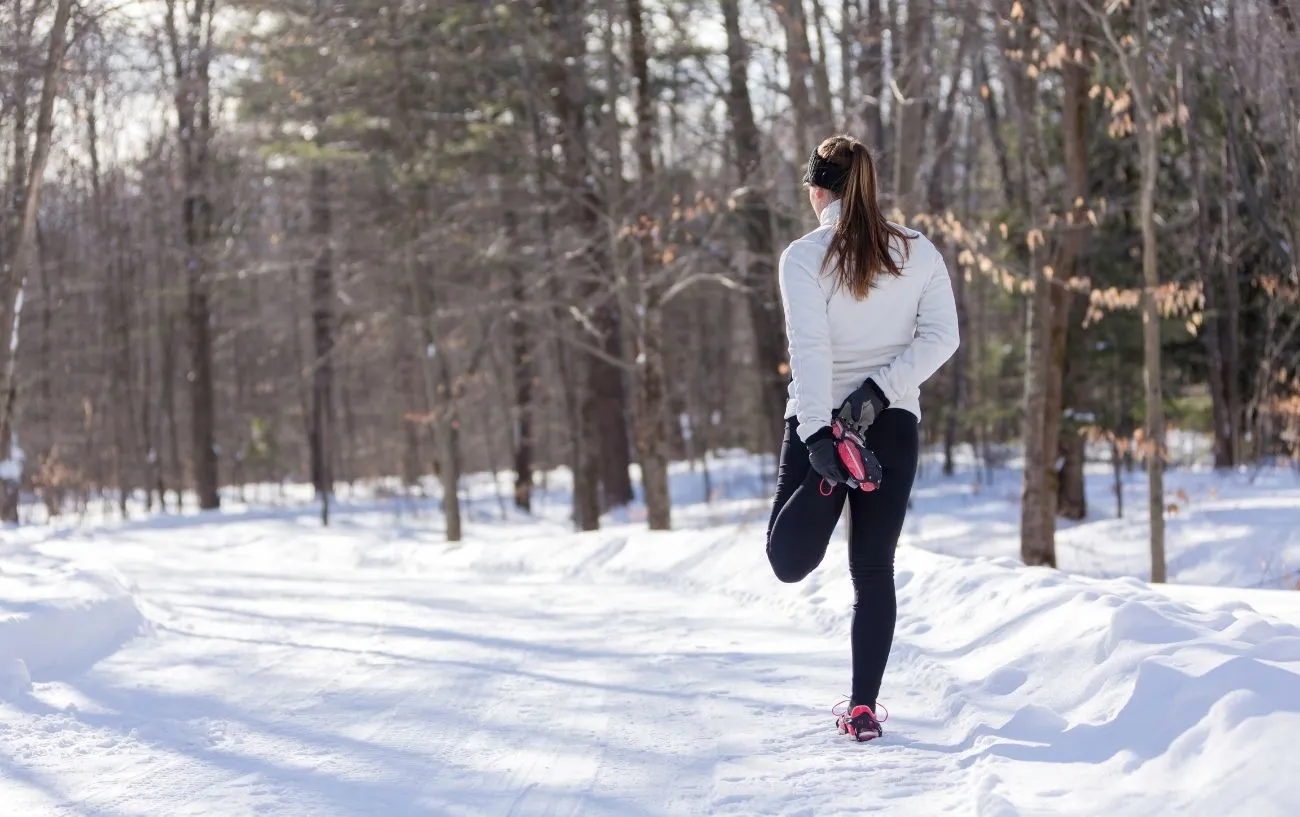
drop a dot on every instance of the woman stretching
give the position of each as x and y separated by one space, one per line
870 315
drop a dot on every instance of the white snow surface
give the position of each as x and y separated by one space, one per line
251 663
57 617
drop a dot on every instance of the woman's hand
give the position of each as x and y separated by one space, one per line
823 457
861 408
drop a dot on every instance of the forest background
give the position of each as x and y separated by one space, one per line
256 242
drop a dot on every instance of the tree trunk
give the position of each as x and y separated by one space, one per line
148 429
202 390
966 367
116 348
1232 340
1149 150
1211 334
1037 522
1071 500
872 71
436 377
24 258
758 266
448 439
412 459
958 385
1232 375
1069 248
167 336
1000 150
939 181
435 367
601 414
11 228
191 60
1071 495
521 350
323 436
798 57
651 443
1037 539
1155 425
606 378
605 381
1117 470
912 80
848 38
821 78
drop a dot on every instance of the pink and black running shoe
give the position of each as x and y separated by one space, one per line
860 465
859 721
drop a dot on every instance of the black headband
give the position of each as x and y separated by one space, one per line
825 173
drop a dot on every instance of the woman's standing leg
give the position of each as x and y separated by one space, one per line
876 522
803 518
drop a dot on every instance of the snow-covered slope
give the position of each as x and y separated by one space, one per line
373 670
58 618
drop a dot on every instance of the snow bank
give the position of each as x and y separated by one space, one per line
57 619
1130 689
1155 705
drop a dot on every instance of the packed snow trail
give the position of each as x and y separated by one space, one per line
373 670
341 691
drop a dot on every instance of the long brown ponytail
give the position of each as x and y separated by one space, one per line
860 248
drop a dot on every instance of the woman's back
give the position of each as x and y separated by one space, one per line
838 340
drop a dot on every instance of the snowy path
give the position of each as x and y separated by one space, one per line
371 692
371 670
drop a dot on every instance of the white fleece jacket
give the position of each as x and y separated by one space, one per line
899 336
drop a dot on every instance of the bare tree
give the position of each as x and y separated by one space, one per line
650 442
758 262
1135 62
14 271
190 43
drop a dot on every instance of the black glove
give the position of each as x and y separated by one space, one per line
861 408
824 458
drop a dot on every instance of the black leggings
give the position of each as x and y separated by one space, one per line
803 520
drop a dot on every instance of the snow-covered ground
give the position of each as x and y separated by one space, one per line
1239 529
251 663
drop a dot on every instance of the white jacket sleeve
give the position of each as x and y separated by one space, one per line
937 334
808 329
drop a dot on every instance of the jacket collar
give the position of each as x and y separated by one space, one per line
831 214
